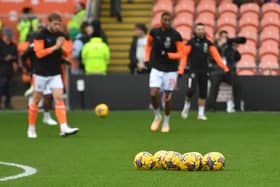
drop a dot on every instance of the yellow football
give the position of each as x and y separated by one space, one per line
213 161
101 110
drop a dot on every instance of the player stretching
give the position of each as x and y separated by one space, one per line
196 53
49 48
161 44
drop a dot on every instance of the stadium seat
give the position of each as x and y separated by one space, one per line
207 15
183 19
186 32
225 1
270 43
247 50
246 72
184 1
187 6
269 35
227 21
250 35
270 49
207 1
247 21
156 20
270 7
247 65
206 7
270 21
249 7
269 66
206 21
271 29
163 6
227 8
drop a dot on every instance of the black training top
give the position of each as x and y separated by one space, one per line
198 58
49 64
163 43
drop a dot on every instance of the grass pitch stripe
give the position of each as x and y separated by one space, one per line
27 171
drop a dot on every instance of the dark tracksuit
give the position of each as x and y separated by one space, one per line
196 54
6 71
232 56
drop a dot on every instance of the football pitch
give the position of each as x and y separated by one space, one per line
101 154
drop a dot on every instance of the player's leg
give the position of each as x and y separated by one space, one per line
202 81
214 89
191 86
230 103
169 85
56 86
155 83
47 119
39 84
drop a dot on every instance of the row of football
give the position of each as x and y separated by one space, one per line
171 160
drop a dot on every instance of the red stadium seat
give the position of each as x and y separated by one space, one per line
270 28
227 8
247 21
206 21
185 32
225 1
270 7
247 50
184 1
246 72
269 65
270 21
183 19
247 65
207 1
227 21
269 35
206 7
207 15
163 6
271 49
156 20
250 35
249 7
187 6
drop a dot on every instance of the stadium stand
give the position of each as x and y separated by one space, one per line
120 34
259 24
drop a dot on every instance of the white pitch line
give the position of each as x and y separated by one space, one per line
27 171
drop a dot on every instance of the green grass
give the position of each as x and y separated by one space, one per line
102 153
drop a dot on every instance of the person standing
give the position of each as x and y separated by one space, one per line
76 20
49 48
230 56
137 50
116 9
162 43
28 24
96 56
8 65
196 54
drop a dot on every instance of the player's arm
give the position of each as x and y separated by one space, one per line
184 60
41 51
148 48
67 48
217 57
179 53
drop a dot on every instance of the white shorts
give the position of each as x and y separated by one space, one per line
45 84
164 80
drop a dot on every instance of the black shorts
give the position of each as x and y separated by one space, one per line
200 80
